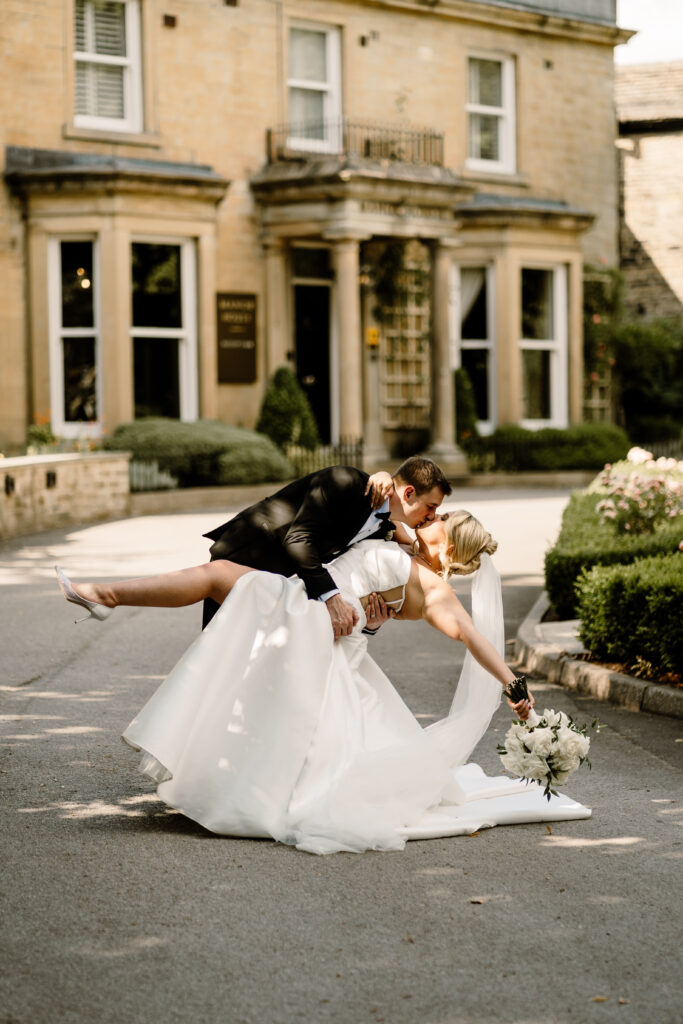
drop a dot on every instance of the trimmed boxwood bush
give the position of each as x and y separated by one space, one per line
286 416
584 542
200 453
632 612
587 446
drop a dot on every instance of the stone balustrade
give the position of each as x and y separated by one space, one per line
41 492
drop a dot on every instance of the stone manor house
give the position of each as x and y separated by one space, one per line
373 192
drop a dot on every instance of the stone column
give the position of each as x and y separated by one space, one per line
350 357
115 335
277 330
575 341
443 448
207 354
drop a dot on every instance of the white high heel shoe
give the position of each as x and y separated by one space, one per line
94 610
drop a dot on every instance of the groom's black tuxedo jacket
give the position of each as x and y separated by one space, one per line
294 531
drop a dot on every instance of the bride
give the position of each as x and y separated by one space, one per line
268 727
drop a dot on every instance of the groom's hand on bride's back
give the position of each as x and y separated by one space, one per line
344 616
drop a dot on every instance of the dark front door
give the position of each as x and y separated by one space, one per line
312 335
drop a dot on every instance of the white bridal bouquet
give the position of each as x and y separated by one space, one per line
545 749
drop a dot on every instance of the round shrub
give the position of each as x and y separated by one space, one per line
191 452
253 465
286 415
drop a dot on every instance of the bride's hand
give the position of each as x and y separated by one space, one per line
380 486
523 707
376 612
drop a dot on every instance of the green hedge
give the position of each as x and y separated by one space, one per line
584 542
633 612
587 446
286 416
203 453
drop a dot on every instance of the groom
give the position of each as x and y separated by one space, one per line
316 518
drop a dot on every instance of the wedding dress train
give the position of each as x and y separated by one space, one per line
267 727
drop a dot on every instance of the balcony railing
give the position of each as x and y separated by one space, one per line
353 138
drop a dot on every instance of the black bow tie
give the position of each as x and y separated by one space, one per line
384 527
382 515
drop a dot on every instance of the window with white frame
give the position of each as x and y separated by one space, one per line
476 340
164 329
74 337
543 346
491 114
314 88
107 65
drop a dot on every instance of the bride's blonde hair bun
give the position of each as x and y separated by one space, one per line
466 541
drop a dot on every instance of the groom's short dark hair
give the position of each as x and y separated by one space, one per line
422 474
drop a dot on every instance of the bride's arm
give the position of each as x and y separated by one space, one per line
443 610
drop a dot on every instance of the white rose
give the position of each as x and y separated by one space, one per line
512 762
564 763
535 767
541 741
552 717
572 743
515 736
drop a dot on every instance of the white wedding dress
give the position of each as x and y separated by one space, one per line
268 727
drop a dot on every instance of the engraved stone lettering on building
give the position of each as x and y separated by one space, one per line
236 329
401 210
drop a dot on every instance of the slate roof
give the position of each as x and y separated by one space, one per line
649 92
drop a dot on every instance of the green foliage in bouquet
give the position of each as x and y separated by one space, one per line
286 416
193 452
632 613
585 541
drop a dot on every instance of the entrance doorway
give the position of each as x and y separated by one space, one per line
312 308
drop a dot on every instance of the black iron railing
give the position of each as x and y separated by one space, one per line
348 452
341 137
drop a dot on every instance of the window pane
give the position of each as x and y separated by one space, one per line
476 362
474 320
156 285
313 263
99 90
100 27
486 82
535 384
80 37
308 55
157 383
483 137
80 400
110 29
537 304
77 284
307 114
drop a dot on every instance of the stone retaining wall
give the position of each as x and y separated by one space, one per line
40 492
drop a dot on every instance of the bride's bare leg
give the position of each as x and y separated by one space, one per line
170 590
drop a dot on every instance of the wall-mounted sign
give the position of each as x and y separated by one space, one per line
236 329
372 337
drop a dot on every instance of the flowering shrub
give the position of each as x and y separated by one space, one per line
645 498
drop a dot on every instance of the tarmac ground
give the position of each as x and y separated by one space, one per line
117 910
